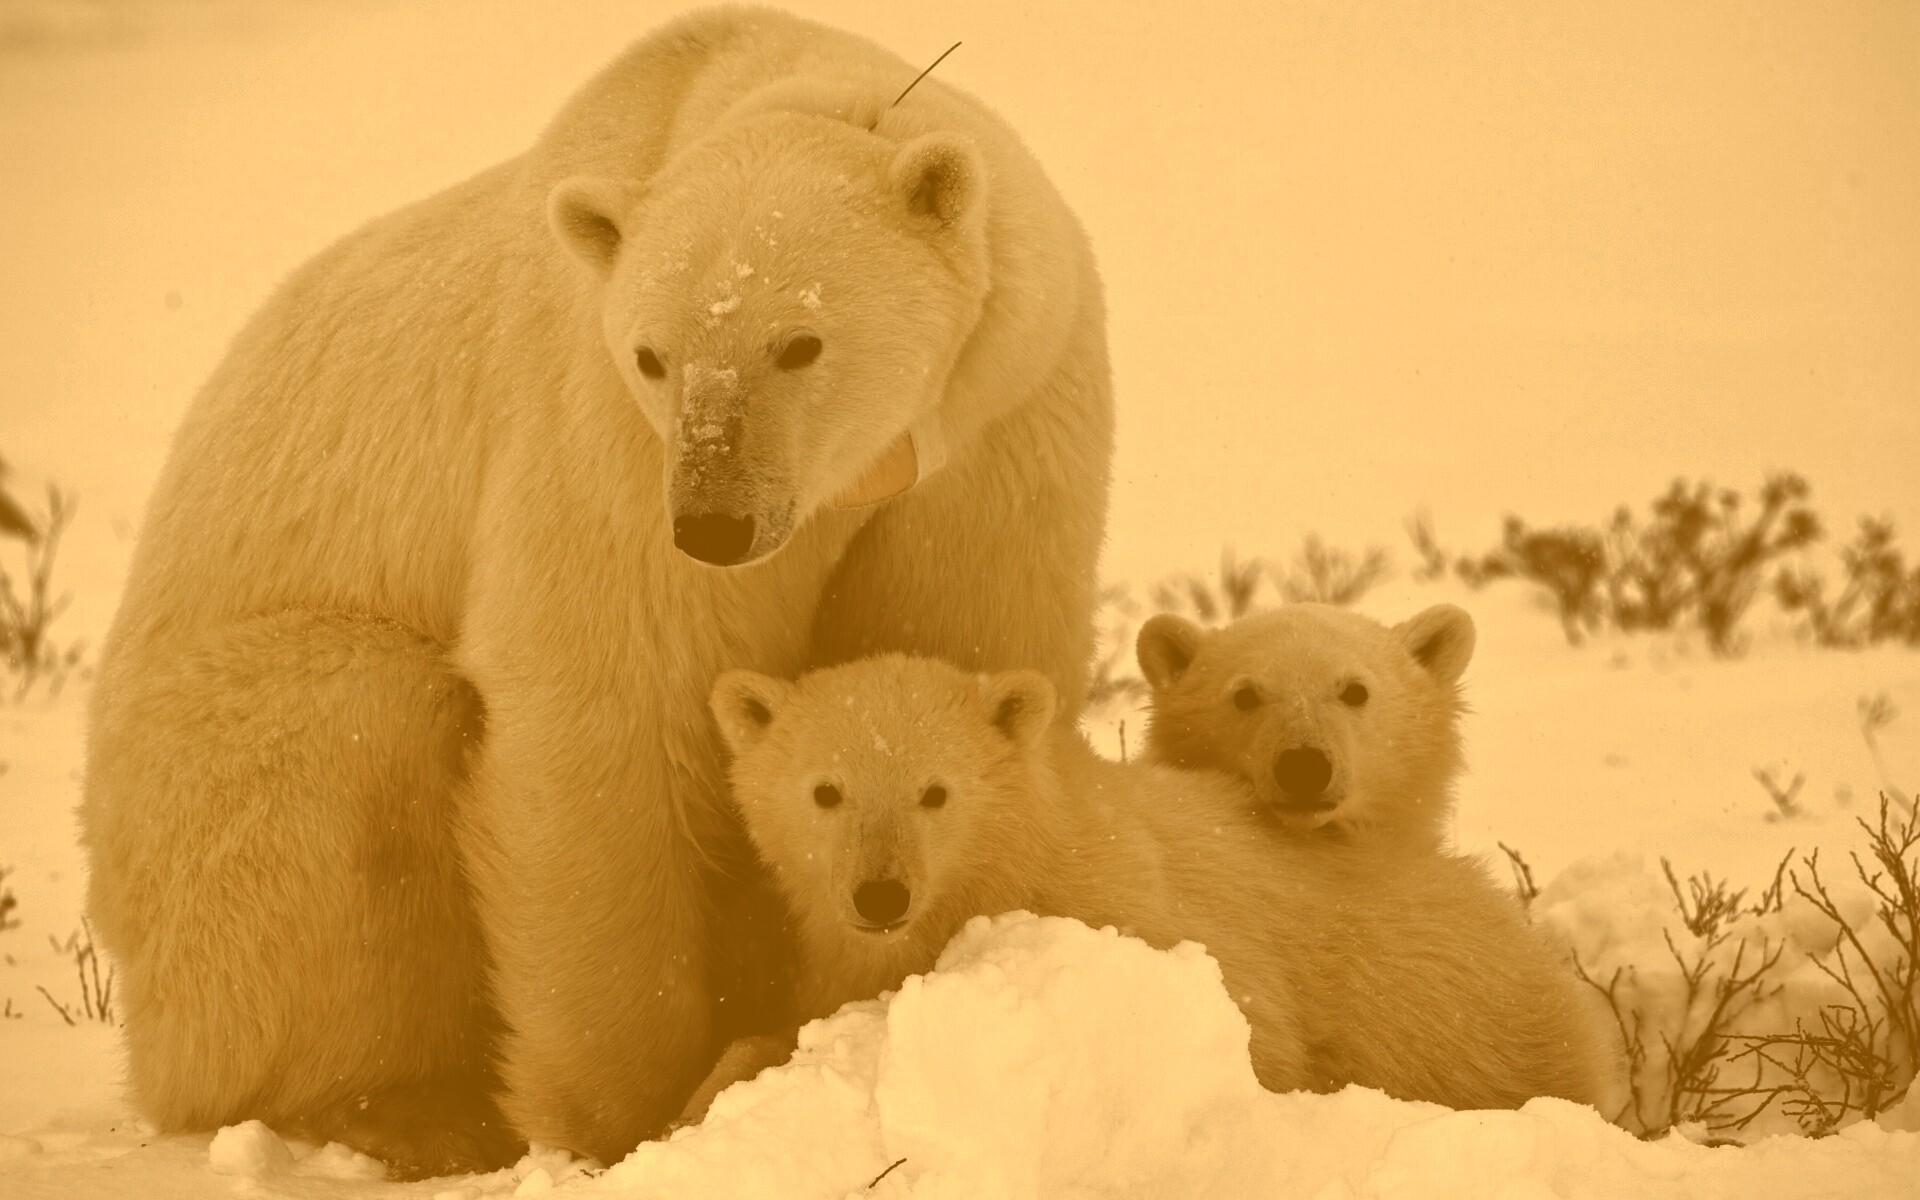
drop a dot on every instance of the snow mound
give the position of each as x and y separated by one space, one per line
249 1148
1042 1058
1008 1071
252 1150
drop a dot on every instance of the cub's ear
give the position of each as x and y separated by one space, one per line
585 213
1165 647
1440 639
745 704
940 175
1020 705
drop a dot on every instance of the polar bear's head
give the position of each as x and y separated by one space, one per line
1339 722
783 299
889 796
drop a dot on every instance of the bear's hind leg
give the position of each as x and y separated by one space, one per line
269 812
422 1129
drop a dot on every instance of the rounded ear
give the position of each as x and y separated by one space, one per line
745 704
585 215
941 176
1020 705
1440 639
1165 647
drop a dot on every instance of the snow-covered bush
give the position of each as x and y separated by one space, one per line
1795 1011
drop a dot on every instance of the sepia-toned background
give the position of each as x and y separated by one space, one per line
1359 258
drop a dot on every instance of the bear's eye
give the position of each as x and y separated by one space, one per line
1246 697
799 352
826 795
1354 694
933 797
649 363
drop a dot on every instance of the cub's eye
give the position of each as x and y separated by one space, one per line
1354 695
826 795
933 797
799 352
1246 697
649 363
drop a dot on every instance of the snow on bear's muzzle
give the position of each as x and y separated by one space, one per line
729 500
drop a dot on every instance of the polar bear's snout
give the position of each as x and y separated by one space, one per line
881 903
722 532
717 538
1303 774
729 491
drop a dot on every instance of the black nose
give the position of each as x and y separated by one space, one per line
1303 773
881 902
714 537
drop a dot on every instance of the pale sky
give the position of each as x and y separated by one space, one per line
1358 258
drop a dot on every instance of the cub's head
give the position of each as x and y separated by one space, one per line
1337 721
882 793
783 298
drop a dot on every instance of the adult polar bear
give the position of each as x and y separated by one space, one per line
401 786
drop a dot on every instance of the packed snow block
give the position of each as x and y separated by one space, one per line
805 1129
1044 1058
1041 1059
337 1161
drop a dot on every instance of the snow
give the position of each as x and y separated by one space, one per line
1477 270
1044 1059
249 1148
1617 915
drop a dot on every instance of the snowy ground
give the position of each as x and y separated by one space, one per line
1456 244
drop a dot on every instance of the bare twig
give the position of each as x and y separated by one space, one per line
1786 799
1631 1040
1876 713
882 1175
65 1014
96 989
1711 902
1522 875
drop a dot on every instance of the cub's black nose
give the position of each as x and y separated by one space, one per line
1303 773
881 902
714 537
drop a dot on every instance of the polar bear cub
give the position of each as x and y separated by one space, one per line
1347 729
893 798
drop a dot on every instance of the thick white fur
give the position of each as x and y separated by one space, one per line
401 786
1403 971
1395 757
